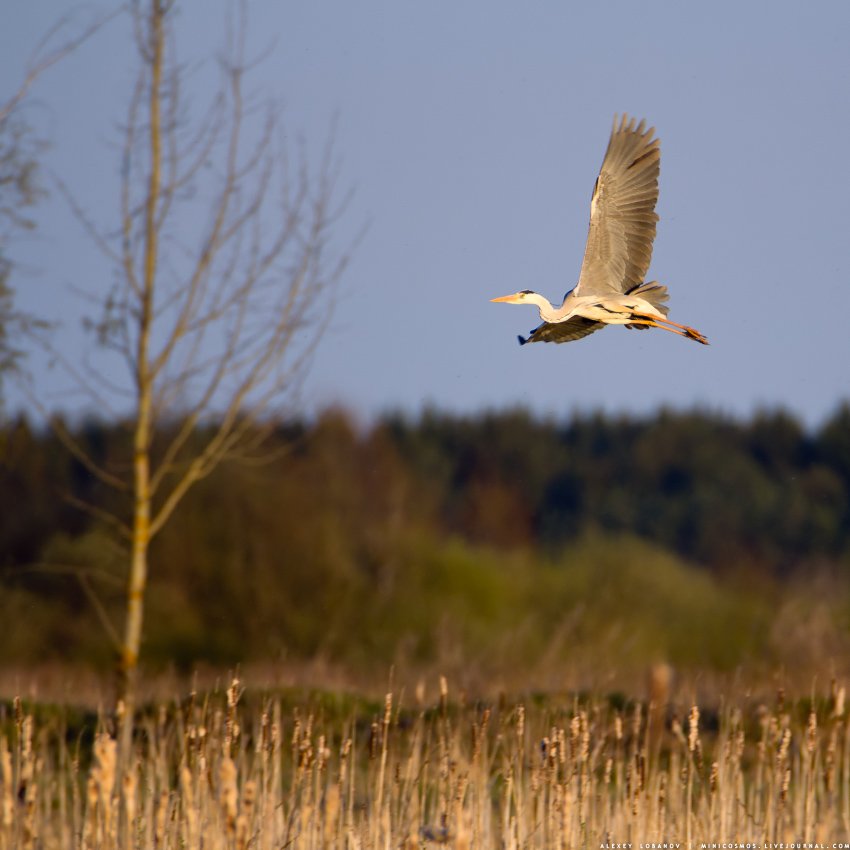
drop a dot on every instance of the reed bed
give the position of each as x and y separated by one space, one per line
220 771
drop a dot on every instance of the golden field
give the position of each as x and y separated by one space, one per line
241 769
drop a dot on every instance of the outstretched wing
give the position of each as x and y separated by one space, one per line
622 212
574 328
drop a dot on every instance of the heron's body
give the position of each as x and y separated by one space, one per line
611 289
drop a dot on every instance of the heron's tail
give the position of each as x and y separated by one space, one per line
654 292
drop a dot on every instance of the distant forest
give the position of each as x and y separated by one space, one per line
352 541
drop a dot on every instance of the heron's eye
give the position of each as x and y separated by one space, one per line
525 292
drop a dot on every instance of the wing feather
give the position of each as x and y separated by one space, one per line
574 328
622 212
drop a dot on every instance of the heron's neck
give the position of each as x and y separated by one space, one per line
548 312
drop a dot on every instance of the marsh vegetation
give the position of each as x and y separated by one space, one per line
233 770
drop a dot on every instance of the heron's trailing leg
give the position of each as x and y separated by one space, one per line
691 333
679 330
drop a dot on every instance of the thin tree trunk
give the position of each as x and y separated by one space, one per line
137 583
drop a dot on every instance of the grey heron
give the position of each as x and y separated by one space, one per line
611 289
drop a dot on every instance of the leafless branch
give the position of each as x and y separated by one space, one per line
102 614
56 568
82 575
44 57
87 224
74 447
106 517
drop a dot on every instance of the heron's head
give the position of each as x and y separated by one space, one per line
516 298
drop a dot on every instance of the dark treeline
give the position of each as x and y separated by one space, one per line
717 491
285 556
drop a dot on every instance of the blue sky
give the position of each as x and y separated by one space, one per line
471 133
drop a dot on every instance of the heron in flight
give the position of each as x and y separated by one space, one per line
611 289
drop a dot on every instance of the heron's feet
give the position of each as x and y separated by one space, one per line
694 334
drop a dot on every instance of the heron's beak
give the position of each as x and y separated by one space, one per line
508 299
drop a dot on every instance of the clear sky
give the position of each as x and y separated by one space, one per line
472 133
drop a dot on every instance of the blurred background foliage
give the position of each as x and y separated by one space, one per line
492 542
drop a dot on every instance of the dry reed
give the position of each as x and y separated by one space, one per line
214 773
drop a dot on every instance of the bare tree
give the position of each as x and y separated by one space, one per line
222 290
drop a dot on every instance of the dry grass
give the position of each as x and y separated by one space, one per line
220 772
